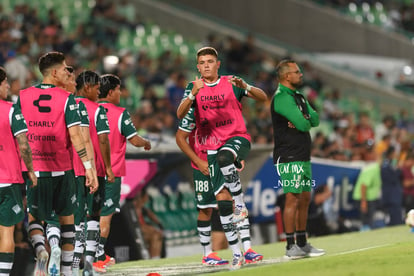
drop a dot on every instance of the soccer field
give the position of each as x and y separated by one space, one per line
387 251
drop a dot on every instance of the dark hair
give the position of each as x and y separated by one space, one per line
49 60
108 83
207 51
283 67
2 74
86 77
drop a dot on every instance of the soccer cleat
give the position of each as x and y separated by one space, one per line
88 270
41 263
250 257
237 262
312 251
54 261
240 213
295 253
109 260
213 260
75 271
99 266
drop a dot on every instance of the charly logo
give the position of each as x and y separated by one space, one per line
42 108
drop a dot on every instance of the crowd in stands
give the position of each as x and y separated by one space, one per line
153 86
391 14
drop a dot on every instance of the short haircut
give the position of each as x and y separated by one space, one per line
207 51
108 83
86 77
2 74
50 60
283 67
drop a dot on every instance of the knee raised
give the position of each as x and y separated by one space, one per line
225 158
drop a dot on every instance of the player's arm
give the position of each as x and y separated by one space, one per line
26 154
105 149
138 141
286 106
181 139
19 129
73 122
102 128
253 92
189 96
130 132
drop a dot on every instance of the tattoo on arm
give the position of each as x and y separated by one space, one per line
82 153
25 151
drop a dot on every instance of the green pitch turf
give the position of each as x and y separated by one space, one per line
387 251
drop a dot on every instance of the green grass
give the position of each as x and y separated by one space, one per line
387 251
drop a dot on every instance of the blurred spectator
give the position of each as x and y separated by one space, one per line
392 190
367 192
150 225
408 182
365 132
317 224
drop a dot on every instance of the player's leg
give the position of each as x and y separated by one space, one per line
92 228
11 213
225 206
38 205
53 236
110 207
305 184
206 201
80 218
235 149
64 208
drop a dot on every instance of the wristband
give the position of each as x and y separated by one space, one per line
191 96
248 87
87 165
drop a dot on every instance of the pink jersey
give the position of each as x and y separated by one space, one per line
10 168
93 110
218 115
117 140
44 111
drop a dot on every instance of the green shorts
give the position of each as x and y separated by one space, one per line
94 201
80 205
203 190
295 177
11 207
112 197
52 194
240 148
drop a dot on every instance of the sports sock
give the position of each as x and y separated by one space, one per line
53 234
79 244
37 240
68 238
243 228
6 263
204 233
92 234
226 218
301 238
290 239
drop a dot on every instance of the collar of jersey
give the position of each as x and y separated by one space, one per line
288 90
45 85
214 83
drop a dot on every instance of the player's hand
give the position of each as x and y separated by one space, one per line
91 180
203 167
240 166
238 82
110 177
147 145
197 85
290 125
32 178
